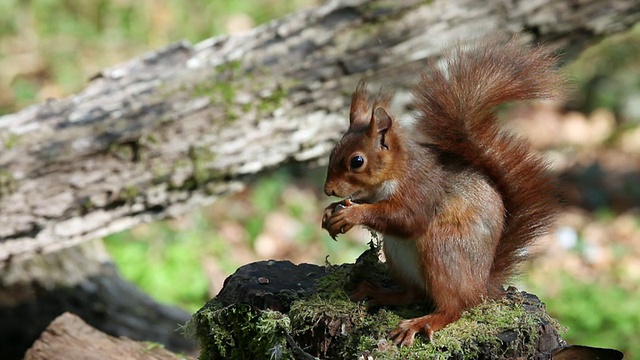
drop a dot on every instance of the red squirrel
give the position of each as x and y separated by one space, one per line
457 199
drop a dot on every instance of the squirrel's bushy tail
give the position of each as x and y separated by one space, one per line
457 101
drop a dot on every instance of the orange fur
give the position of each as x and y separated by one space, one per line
458 212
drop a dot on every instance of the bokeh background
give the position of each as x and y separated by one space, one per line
588 271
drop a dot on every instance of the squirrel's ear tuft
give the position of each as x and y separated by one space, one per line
358 116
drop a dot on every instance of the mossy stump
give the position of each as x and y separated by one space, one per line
278 310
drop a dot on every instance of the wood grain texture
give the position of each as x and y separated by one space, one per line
68 337
176 128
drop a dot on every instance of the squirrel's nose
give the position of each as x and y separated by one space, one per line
329 192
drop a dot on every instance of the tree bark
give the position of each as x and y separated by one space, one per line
68 337
178 127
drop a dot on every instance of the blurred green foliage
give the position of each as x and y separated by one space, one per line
167 262
600 314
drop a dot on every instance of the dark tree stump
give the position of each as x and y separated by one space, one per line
272 307
270 284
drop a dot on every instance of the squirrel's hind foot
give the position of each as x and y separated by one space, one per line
404 333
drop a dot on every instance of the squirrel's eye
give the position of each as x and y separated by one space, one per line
357 162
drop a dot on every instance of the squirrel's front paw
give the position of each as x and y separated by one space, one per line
328 212
340 217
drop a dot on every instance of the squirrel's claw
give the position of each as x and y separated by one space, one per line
404 334
339 223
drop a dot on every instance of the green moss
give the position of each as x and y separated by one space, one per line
160 174
343 278
150 346
475 330
332 286
86 205
12 141
273 101
216 90
222 93
201 160
228 80
380 7
231 116
167 118
385 9
8 183
150 139
200 165
220 88
229 68
313 319
129 193
226 332
491 325
128 151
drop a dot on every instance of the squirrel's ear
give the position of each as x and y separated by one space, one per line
359 106
381 120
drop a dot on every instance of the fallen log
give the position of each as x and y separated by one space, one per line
68 337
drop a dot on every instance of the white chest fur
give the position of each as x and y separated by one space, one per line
404 256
